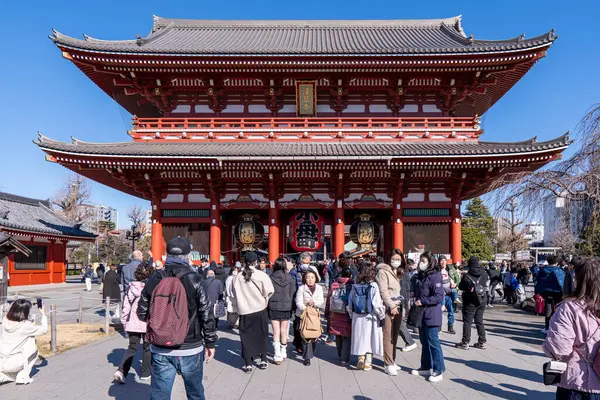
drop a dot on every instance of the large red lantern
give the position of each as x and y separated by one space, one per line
307 229
249 232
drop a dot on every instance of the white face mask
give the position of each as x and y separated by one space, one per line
423 266
396 263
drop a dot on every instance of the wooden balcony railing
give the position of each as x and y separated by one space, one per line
304 128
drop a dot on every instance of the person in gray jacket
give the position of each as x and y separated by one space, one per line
128 271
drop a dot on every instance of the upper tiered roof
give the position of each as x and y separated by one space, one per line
305 37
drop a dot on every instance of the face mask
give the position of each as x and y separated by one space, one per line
396 263
423 266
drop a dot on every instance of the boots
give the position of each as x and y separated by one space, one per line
283 353
277 358
451 329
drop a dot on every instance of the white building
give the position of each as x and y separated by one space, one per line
534 233
100 213
561 213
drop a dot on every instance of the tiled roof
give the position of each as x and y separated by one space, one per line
7 241
310 37
237 149
32 215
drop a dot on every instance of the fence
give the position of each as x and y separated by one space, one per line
82 311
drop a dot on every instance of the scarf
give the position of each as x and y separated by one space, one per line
312 288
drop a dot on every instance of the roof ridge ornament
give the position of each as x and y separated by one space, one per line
521 38
551 34
471 39
139 41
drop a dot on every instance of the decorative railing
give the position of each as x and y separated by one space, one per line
305 128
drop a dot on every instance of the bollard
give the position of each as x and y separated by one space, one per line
53 328
80 309
107 316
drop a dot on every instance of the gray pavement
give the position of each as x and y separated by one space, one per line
509 369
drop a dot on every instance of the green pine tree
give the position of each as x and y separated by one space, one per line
477 231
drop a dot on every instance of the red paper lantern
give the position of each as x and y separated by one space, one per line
307 229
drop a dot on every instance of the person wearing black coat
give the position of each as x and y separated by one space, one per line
214 291
495 284
111 288
221 273
473 303
280 307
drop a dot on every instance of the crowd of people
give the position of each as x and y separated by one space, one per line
173 309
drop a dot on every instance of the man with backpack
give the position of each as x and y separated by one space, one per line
473 286
180 323
549 285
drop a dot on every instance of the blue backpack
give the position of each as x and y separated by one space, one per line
362 300
550 280
514 282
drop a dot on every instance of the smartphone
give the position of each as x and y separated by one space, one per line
40 303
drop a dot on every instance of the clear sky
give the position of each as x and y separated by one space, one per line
44 92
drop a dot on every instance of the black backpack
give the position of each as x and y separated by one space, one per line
477 290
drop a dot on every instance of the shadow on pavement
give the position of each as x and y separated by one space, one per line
498 369
522 393
529 353
116 356
36 368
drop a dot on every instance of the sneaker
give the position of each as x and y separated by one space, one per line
361 363
435 377
457 301
480 346
307 363
119 378
145 378
391 370
491 306
345 363
247 369
263 365
409 348
443 308
463 346
451 330
420 372
544 331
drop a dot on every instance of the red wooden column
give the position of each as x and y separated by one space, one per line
215 229
157 232
455 234
339 239
273 231
51 259
398 226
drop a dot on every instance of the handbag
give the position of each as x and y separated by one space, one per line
219 309
415 316
553 371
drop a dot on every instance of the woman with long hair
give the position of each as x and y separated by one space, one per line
390 288
574 336
367 311
429 294
280 308
18 350
252 289
232 315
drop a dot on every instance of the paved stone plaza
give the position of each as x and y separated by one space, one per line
509 369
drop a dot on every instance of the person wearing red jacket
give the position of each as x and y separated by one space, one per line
340 323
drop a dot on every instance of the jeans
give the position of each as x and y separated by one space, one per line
134 341
551 302
342 344
164 369
431 354
449 304
472 312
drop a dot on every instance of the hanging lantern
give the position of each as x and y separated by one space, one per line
249 233
364 232
307 229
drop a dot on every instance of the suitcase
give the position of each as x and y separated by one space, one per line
540 304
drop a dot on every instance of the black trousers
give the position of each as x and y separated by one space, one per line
134 341
342 344
472 312
297 337
550 306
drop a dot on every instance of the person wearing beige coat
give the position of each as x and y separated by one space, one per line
388 281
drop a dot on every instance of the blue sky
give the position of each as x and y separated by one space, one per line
43 92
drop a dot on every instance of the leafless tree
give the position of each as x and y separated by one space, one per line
576 179
137 217
71 199
513 237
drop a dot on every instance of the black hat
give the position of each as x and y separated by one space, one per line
179 246
442 257
250 257
473 262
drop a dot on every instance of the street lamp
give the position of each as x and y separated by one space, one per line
133 235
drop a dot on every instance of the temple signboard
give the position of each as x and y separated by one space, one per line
306 98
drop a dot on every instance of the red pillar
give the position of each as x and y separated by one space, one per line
51 260
274 250
339 239
455 234
215 230
398 230
157 232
